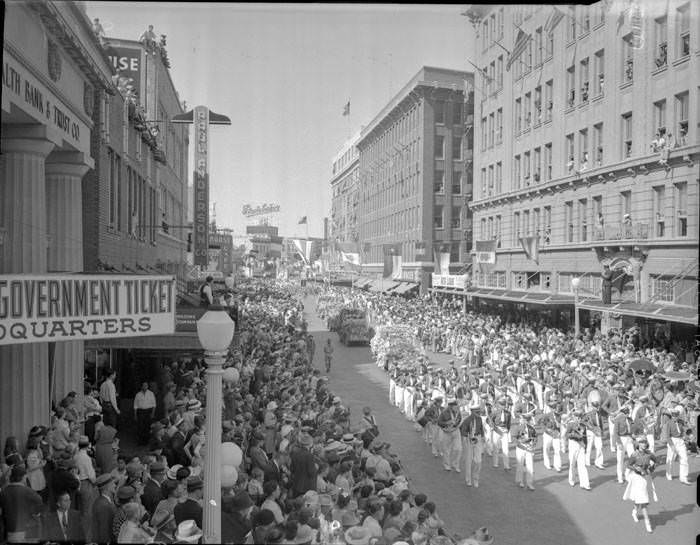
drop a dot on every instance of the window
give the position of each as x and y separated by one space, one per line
456 217
536 174
439 182
538 105
526 168
491 130
659 196
539 44
497 231
569 155
482 229
499 126
439 147
599 76
499 72
528 57
571 25
516 228
684 28
682 208
627 135
662 289
456 182
681 118
536 230
570 86
627 59
483 182
118 202
483 133
492 74
456 113
492 28
660 116
661 35
518 115
583 219
599 220
549 45
456 147
516 172
500 24
547 224
547 162
112 188
569 220
527 111
548 98
583 75
598 143
585 19
625 204
583 149
485 35
499 178
440 111
437 217
526 223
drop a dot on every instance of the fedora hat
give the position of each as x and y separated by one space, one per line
194 483
305 440
103 480
172 472
241 501
188 532
126 493
357 535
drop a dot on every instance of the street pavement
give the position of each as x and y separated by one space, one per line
554 514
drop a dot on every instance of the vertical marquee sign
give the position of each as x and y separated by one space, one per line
201 186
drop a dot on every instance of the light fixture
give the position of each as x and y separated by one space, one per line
215 330
576 282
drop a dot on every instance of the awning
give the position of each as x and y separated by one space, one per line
537 298
176 341
654 311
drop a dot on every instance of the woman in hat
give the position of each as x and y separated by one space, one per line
641 463
131 530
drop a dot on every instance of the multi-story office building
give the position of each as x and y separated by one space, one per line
588 156
53 69
345 193
415 175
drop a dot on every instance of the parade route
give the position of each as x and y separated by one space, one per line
554 514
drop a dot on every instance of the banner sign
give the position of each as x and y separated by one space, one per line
263 209
450 280
128 63
42 308
201 186
486 251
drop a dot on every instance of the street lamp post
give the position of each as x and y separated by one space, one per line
576 282
215 331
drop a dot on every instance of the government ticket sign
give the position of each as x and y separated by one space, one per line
56 307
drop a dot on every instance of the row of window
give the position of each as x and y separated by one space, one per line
392 139
132 201
455 217
439 182
493 184
492 129
532 167
456 145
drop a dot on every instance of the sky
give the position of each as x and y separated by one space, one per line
283 73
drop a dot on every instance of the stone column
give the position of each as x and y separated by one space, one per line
24 368
211 503
64 199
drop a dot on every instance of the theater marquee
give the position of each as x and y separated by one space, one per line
50 308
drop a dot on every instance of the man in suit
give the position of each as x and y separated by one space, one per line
472 431
103 509
451 440
191 508
303 468
20 507
151 489
63 523
176 451
500 426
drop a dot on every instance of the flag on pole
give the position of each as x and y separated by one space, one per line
519 47
301 249
303 220
346 109
480 71
531 247
554 19
350 257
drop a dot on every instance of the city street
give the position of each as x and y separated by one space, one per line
554 513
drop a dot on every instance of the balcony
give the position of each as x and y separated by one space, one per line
623 231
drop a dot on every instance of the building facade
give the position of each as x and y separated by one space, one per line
588 156
53 68
415 175
345 193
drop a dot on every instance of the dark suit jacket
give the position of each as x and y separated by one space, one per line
273 472
188 510
151 495
176 453
303 470
234 528
103 512
52 531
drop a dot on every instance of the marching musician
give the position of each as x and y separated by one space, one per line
431 414
623 432
611 406
594 434
473 439
673 434
500 425
641 465
526 441
450 440
576 438
645 416
551 436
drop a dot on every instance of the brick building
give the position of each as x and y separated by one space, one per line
569 173
415 175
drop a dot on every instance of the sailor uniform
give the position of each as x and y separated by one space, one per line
500 436
473 436
551 439
674 432
576 436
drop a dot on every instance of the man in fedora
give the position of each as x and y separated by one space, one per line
303 467
63 523
235 517
152 493
191 508
188 532
103 509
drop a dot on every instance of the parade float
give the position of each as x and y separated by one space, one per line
396 344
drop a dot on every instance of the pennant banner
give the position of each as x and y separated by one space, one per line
531 247
444 263
486 251
554 19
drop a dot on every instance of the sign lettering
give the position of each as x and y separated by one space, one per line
201 186
39 308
